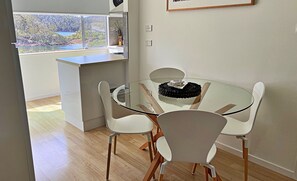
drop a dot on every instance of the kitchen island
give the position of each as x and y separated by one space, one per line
79 78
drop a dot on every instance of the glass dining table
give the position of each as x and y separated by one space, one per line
144 97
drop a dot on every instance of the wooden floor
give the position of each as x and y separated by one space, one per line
62 152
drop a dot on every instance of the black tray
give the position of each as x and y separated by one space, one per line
190 90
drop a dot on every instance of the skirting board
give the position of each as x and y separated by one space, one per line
259 161
89 124
42 96
94 123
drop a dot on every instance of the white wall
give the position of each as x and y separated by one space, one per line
133 23
40 72
239 45
62 6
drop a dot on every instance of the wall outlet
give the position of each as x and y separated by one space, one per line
148 28
149 43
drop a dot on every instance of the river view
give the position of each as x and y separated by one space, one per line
65 33
43 32
49 48
46 48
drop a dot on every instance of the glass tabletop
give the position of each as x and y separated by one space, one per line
143 96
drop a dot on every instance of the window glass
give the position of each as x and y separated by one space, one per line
95 31
52 32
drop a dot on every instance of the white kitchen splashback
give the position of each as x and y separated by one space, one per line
118 24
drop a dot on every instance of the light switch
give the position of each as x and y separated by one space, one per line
296 28
149 43
148 28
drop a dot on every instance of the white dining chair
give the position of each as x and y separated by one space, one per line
240 129
132 124
189 136
166 74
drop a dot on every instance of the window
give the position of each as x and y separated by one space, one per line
54 32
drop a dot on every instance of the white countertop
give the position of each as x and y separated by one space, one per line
92 59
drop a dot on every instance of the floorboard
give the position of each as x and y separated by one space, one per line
62 152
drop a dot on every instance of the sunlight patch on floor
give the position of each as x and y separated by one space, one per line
46 108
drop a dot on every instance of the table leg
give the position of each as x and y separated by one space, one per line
153 118
155 137
153 167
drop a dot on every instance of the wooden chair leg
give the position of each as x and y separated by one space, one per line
150 147
115 145
194 168
161 161
218 177
153 144
108 161
206 172
245 159
162 170
209 172
246 167
243 148
215 178
161 177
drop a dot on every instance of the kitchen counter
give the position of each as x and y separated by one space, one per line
92 59
79 78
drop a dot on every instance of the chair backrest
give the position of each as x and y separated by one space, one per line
166 74
190 134
104 92
258 93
